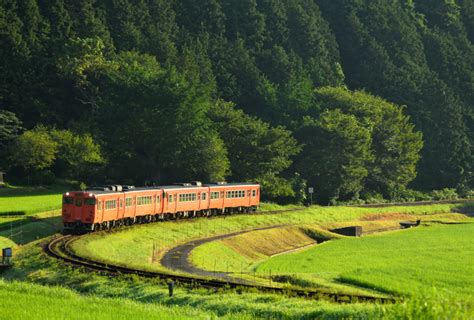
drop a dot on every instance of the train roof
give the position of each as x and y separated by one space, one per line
169 187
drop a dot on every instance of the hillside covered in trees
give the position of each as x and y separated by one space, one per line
353 97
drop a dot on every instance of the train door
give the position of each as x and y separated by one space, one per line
121 207
171 202
78 202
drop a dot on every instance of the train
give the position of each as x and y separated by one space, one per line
104 208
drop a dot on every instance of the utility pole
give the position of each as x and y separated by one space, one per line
311 191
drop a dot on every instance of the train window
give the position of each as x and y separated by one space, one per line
203 196
110 204
157 199
78 202
248 193
254 193
214 195
128 202
170 198
121 203
89 202
99 205
68 200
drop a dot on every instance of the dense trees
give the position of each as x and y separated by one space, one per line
60 151
163 91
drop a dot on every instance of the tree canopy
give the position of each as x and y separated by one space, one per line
245 90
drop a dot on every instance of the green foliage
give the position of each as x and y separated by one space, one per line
445 194
120 70
67 154
256 151
395 145
335 156
34 150
77 154
10 127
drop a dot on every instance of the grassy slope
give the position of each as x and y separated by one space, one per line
408 261
133 246
30 301
32 265
239 253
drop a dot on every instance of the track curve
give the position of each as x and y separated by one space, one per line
59 248
178 257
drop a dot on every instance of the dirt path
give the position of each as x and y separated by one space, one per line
178 257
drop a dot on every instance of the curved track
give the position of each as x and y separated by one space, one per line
60 248
178 257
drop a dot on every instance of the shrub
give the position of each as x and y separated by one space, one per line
445 194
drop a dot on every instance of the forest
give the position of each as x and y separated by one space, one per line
360 99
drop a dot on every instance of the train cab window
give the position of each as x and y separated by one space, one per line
203 196
78 203
254 193
89 202
68 200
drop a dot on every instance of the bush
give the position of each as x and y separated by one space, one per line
408 195
43 177
445 194
373 197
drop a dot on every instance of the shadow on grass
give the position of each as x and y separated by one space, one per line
465 208
30 229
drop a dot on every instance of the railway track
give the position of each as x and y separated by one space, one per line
59 248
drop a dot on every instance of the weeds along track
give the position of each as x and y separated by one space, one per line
59 248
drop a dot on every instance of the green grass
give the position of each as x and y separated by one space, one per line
33 266
28 200
133 246
405 262
30 301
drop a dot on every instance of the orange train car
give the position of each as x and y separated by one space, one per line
113 206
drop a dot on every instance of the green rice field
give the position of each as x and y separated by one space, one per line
26 200
438 257
134 246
